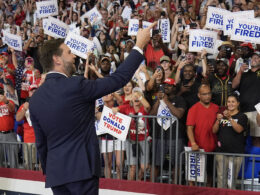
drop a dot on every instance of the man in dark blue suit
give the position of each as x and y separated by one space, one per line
62 114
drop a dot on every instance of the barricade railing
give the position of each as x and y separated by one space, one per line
152 157
19 155
226 170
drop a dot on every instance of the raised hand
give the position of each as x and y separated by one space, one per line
143 36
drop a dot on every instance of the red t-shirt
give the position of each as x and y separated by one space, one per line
19 18
203 119
127 110
6 117
125 101
153 56
28 132
29 77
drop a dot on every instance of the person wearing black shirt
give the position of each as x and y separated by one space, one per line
230 128
164 136
248 82
220 83
189 85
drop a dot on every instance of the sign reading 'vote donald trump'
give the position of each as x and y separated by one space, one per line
215 18
55 28
116 125
79 45
246 30
202 39
47 8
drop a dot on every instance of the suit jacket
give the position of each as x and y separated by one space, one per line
62 111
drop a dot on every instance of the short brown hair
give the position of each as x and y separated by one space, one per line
47 51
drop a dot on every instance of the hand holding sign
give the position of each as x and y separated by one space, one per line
143 36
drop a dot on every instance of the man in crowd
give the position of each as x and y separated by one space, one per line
62 113
189 85
248 82
220 83
175 107
200 120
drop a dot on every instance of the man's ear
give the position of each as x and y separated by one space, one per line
56 60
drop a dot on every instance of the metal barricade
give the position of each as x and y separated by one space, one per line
138 160
226 170
19 155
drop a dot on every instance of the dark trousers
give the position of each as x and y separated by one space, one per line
84 187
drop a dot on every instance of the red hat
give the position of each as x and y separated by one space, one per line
4 53
170 81
249 45
28 57
33 86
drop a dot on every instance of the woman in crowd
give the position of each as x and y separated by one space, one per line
137 147
230 127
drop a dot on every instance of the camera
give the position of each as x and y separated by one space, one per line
155 32
161 88
179 20
151 4
2 91
193 25
163 14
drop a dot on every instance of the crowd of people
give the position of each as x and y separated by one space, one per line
212 96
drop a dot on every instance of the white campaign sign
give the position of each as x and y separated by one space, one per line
165 30
116 125
231 17
126 14
230 177
246 30
202 39
56 28
13 41
93 16
11 96
79 45
134 26
27 116
215 18
164 111
257 107
47 8
146 25
195 168
44 22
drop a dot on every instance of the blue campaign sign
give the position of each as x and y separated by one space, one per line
56 28
47 8
246 30
229 19
79 45
202 39
215 18
13 41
